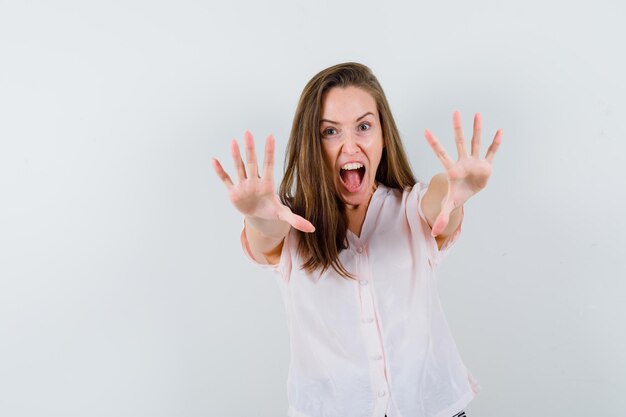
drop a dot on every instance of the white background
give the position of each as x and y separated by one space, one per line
123 288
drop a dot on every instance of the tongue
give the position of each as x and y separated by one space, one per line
351 179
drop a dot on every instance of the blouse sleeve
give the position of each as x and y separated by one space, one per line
283 267
415 213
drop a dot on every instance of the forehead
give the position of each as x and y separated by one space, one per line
346 104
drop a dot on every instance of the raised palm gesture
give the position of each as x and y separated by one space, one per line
469 174
255 197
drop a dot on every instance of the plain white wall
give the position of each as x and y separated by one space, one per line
123 289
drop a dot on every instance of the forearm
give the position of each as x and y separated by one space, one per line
265 237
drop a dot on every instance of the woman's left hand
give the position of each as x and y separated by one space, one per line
468 175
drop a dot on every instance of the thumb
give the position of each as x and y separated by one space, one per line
443 218
296 221
302 224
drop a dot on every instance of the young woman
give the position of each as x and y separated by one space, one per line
355 242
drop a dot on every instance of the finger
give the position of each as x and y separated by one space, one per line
478 125
458 134
217 167
296 221
302 224
497 140
443 218
441 222
268 160
438 149
253 170
239 167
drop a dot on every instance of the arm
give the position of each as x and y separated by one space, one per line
443 202
431 207
267 221
265 238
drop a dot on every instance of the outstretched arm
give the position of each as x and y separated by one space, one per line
267 221
443 202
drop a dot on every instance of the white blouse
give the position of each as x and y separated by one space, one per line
381 344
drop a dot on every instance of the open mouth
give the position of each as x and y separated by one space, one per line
352 175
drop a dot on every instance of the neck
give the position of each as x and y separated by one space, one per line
355 214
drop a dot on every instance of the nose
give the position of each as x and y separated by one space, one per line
350 145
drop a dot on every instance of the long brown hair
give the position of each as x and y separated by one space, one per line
307 187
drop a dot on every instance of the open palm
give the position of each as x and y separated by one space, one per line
468 174
253 195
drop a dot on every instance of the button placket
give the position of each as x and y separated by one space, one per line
373 338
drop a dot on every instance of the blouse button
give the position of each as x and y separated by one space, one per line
377 357
359 249
363 282
382 393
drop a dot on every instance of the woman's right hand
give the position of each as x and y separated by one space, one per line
255 197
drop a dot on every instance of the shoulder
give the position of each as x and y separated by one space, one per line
400 205
403 196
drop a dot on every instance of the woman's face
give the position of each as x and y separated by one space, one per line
352 142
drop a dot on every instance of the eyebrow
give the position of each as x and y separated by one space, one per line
336 123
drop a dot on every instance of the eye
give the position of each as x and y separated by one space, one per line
329 131
364 126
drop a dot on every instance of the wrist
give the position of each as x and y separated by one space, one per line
267 228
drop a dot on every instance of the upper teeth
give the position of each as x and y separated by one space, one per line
353 165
